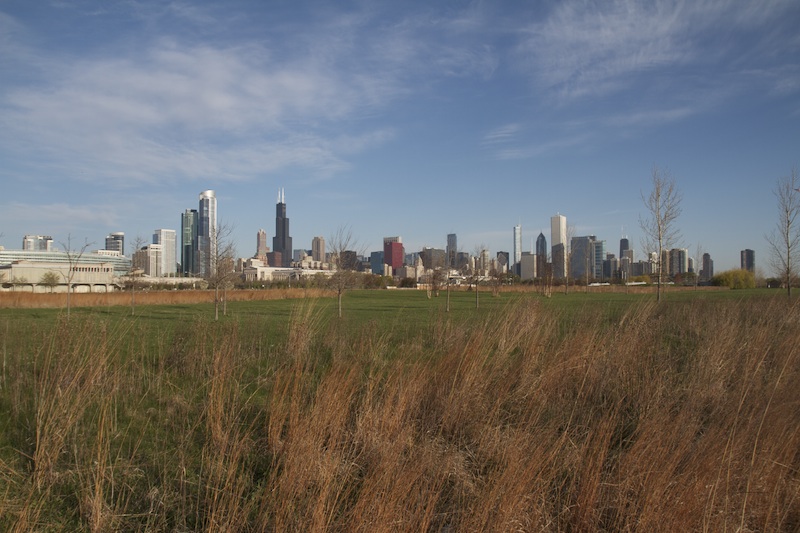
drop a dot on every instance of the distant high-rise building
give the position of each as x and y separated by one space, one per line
582 257
514 267
376 262
318 249
189 222
599 249
149 260
393 253
261 245
166 239
503 260
558 241
462 260
116 242
610 267
707 271
207 234
541 254
282 242
748 260
527 266
624 246
678 261
452 250
349 260
37 243
433 257
483 264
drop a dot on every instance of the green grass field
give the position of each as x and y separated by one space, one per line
579 412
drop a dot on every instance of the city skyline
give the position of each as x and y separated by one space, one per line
415 120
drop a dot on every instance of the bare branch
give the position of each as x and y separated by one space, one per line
342 249
784 239
73 258
663 206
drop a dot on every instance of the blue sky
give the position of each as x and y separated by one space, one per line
397 118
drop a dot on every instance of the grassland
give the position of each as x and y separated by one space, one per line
580 412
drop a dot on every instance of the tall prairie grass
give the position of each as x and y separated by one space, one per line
672 417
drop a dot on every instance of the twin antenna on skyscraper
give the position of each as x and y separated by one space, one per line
281 196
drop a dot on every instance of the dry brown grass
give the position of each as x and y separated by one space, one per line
27 300
680 417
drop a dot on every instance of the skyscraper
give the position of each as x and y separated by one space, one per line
599 248
678 261
207 234
582 258
558 240
541 254
748 260
189 242
708 268
624 245
261 245
149 259
166 238
514 267
393 253
116 242
318 249
37 243
282 242
452 249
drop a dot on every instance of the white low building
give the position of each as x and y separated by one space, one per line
27 276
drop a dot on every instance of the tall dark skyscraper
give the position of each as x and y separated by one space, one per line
541 254
748 258
189 242
623 246
282 242
452 249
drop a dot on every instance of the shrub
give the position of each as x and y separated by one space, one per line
735 279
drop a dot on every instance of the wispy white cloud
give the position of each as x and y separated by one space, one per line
227 109
501 134
535 149
592 49
184 112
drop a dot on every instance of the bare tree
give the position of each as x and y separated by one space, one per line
568 251
663 206
698 262
342 244
546 278
223 267
73 258
136 270
478 271
785 237
437 274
